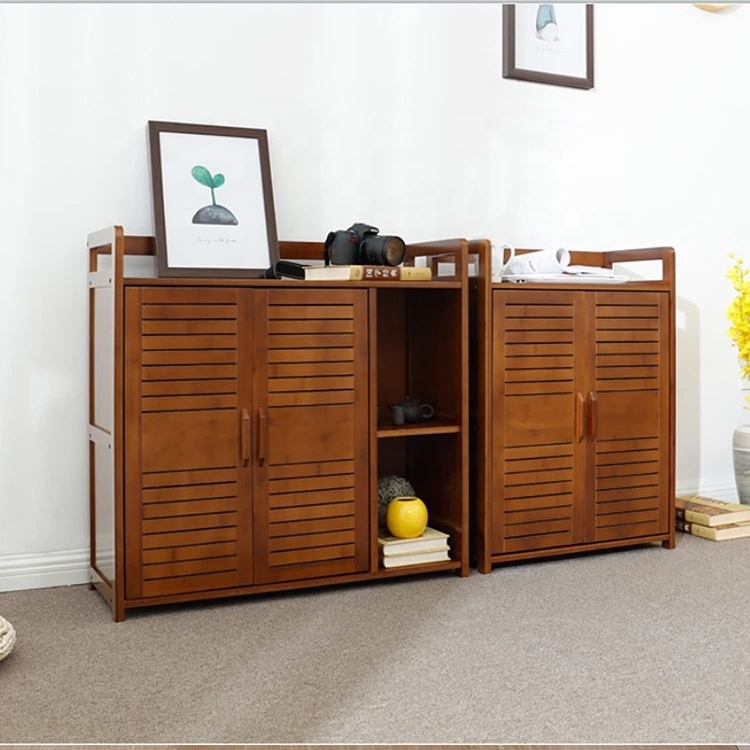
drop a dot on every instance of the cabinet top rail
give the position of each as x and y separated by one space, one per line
452 261
623 259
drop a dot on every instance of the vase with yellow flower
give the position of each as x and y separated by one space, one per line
739 332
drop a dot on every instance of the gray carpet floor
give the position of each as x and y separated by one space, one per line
637 646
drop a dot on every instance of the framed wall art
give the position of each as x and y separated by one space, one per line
549 43
213 201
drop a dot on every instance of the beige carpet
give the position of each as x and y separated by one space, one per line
639 646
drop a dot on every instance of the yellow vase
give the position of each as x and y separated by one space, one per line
406 517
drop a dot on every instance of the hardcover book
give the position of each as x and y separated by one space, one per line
715 533
414 558
368 273
710 512
431 540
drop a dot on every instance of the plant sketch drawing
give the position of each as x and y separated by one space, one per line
215 213
546 23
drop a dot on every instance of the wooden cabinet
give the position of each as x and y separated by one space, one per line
246 448
578 419
311 488
235 443
187 492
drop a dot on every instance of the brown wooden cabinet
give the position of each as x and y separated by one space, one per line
245 445
234 437
575 427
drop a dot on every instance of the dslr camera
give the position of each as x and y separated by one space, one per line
362 245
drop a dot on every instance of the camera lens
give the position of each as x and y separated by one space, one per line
383 251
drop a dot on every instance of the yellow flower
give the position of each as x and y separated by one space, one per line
739 314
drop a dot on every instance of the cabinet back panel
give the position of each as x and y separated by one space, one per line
392 343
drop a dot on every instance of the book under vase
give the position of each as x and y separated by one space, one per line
431 546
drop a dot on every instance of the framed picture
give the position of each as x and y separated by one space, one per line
213 202
549 43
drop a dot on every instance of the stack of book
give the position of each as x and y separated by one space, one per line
367 273
432 546
712 519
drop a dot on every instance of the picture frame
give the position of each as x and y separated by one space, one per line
549 43
213 200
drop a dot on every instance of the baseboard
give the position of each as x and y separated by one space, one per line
46 569
43 570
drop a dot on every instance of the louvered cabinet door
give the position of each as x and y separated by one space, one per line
630 414
187 492
311 451
539 453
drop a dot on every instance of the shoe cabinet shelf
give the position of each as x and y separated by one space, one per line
233 429
574 409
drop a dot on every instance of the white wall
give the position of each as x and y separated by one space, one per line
394 114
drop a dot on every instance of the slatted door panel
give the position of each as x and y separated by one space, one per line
537 420
312 500
187 496
632 452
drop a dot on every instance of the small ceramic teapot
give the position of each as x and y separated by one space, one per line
416 411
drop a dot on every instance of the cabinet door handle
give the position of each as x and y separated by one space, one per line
593 415
262 436
245 437
579 416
